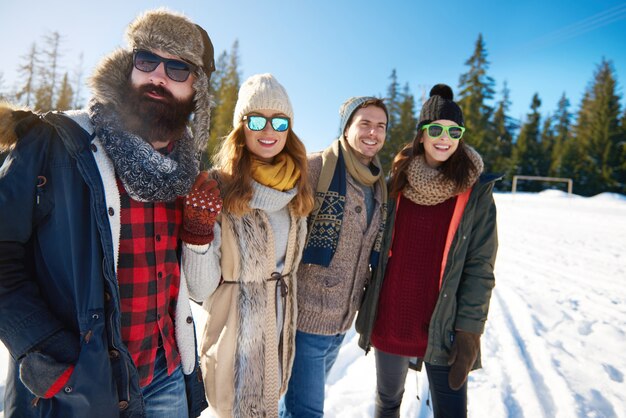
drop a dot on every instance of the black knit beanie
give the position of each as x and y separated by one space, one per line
440 106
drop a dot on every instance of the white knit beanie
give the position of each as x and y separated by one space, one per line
262 91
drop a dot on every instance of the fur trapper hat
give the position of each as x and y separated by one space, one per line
174 33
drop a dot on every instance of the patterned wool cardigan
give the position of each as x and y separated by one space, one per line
328 297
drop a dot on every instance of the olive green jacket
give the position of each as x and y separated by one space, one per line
467 278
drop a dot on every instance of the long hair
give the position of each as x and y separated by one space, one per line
234 162
457 168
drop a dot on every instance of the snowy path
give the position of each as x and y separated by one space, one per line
555 340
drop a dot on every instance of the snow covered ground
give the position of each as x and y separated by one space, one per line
555 341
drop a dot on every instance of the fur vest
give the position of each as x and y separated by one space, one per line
246 363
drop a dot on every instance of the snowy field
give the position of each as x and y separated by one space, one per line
555 341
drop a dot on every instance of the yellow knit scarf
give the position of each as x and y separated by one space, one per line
281 174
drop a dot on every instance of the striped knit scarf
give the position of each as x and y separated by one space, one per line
330 198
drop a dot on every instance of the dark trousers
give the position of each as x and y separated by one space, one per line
391 371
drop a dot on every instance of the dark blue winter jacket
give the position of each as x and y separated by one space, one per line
57 271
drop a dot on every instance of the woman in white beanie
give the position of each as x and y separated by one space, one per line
250 287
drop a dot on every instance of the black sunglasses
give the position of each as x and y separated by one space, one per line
257 123
147 62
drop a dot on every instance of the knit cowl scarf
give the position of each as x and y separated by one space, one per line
147 175
427 186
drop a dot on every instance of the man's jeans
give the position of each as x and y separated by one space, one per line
165 396
315 356
391 371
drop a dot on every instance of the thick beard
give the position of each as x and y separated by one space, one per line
155 120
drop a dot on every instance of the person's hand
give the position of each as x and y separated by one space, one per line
462 357
202 205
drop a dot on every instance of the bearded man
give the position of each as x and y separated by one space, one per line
93 304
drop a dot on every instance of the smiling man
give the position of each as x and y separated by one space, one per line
93 305
343 240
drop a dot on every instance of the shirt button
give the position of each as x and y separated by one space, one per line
159 275
111 212
158 238
94 148
358 209
123 405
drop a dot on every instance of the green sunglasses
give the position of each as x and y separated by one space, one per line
257 123
435 131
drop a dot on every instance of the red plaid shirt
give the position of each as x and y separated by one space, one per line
149 278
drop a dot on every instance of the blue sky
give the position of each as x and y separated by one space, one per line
325 51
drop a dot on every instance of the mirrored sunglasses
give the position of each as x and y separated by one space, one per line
435 131
257 123
147 62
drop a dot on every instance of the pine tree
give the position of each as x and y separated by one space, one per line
526 152
25 93
546 145
3 94
78 81
66 94
561 128
598 133
504 126
408 121
45 94
396 132
225 87
475 89
621 175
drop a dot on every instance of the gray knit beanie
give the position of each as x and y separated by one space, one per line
347 109
262 91
440 106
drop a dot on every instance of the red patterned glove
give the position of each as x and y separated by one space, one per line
202 205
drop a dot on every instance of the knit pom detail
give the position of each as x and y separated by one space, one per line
442 90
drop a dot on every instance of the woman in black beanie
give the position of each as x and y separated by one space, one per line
429 297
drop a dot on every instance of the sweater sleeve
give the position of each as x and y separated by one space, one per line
478 280
201 264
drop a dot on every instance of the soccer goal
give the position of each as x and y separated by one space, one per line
570 182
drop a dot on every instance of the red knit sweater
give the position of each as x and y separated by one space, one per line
411 286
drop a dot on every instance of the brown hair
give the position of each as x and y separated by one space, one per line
234 162
457 168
